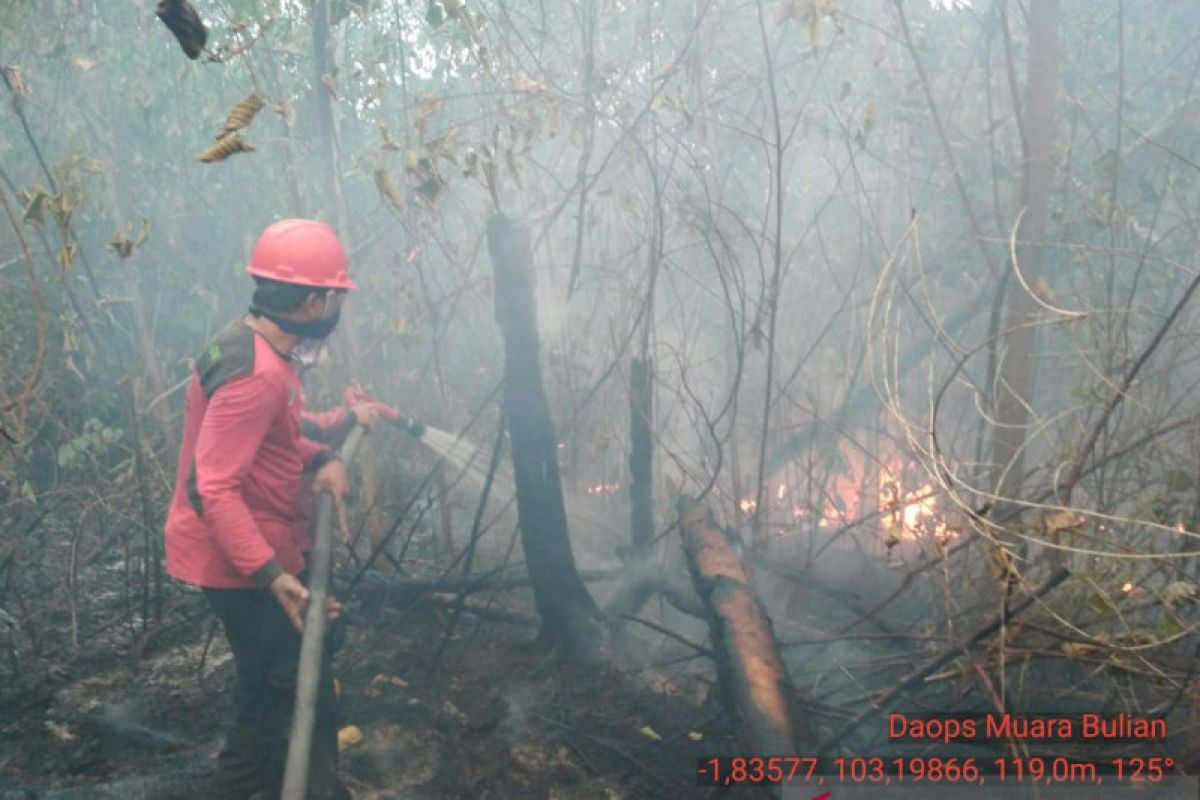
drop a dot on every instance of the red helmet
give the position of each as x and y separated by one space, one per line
302 251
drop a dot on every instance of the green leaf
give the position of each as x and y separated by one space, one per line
1168 626
1100 603
66 455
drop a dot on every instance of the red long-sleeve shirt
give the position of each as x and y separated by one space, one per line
236 517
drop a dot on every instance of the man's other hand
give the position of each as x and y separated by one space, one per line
292 596
332 478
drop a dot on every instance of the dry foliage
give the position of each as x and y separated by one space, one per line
184 22
226 147
241 115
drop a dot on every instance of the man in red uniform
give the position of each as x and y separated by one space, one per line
235 526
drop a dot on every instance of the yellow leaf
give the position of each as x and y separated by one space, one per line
349 735
1063 521
66 256
649 733
241 115
233 143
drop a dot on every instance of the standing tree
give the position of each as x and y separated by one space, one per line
570 619
1036 122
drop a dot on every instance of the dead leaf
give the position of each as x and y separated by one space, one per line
1001 563
330 84
61 206
649 733
16 80
143 233
429 105
66 257
35 205
1179 592
510 161
241 115
414 255
695 736
523 83
183 21
284 109
1079 649
388 142
387 187
1063 521
121 245
85 64
444 146
58 730
349 736
226 147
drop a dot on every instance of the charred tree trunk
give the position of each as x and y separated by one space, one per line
641 468
755 685
570 619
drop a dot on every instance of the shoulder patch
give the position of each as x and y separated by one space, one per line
229 355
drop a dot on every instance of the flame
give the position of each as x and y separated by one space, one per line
1127 587
910 515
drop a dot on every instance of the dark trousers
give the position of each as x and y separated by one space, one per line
266 650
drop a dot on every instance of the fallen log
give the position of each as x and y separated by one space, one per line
754 684
491 581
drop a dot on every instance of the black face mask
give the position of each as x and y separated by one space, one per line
305 329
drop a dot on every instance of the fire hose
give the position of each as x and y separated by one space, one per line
295 775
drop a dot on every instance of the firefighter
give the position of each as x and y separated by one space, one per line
238 525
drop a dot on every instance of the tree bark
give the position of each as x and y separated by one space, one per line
641 470
754 682
1013 389
570 619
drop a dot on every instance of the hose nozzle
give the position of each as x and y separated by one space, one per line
410 426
